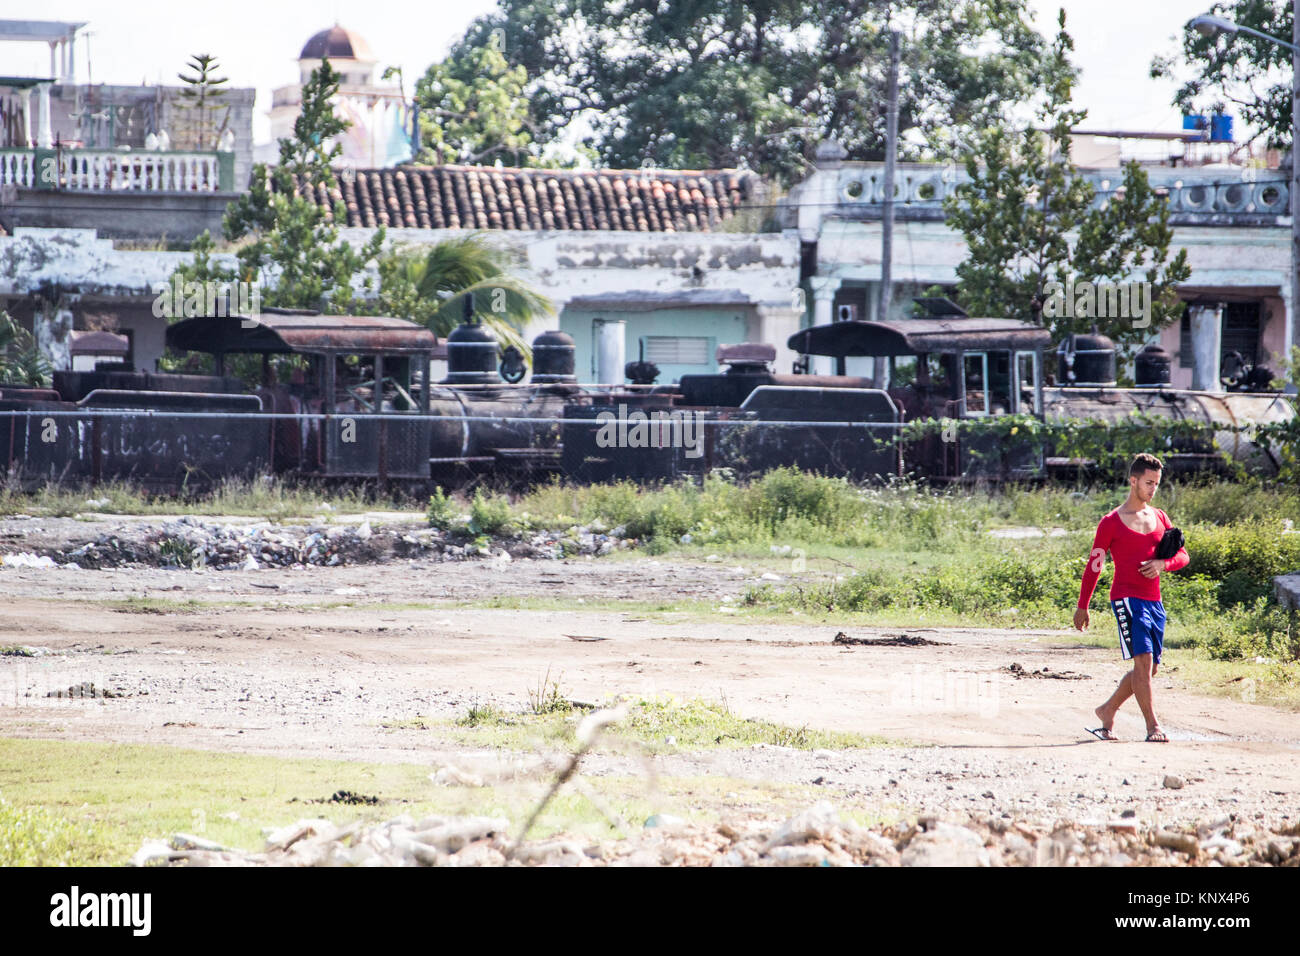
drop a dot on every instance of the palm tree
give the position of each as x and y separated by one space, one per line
21 361
430 288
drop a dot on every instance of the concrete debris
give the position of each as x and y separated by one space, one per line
451 776
192 543
25 559
816 836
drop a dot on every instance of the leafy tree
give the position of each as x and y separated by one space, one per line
475 118
21 361
720 83
291 244
1025 200
203 95
430 288
1238 71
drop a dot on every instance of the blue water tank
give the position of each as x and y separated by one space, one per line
1220 128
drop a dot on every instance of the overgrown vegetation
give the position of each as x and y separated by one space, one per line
21 361
901 547
843 548
264 496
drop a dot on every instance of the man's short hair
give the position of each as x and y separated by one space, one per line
1144 463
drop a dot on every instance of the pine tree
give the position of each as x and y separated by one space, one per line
203 97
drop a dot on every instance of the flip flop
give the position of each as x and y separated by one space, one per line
1101 733
1157 738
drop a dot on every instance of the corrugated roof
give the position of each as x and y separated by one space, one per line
364 334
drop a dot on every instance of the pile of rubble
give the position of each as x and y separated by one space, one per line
190 542
818 836
193 543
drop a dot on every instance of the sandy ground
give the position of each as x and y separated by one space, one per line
285 675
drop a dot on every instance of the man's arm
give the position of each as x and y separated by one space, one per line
1096 562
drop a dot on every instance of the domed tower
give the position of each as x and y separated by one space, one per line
347 51
367 105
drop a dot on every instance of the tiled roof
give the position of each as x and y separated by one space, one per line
486 197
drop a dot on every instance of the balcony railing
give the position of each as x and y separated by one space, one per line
1209 193
106 170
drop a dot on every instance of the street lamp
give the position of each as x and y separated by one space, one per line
1209 26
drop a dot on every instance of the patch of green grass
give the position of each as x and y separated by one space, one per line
32 836
151 605
698 724
94 804
16 650
263 496
481 714
692 724
1273 683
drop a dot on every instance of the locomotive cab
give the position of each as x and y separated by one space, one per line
948 367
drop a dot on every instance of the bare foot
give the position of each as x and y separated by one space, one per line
1107 719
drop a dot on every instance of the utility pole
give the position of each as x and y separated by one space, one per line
887 218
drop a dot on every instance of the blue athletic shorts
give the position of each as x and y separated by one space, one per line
1141 627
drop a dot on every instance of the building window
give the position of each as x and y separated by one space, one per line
1241 330
678 350
1186 353
975 376
1027 382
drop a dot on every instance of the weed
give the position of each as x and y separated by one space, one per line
442 510
489 513
483 715
547 698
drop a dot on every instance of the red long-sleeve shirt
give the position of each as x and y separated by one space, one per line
1127 549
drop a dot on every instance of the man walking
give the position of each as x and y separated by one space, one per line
1131 534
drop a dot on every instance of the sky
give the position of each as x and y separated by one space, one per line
257 42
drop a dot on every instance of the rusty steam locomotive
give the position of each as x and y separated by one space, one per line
360 403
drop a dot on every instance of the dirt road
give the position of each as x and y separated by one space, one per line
285 675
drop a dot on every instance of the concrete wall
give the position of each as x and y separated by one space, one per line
119 215
168 110
721 326
82 273
656 281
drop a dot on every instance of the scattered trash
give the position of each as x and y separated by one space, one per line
84 689
350 798
1045 673
898 640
